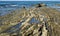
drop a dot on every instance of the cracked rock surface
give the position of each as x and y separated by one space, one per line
37 21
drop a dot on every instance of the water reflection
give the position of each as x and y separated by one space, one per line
33 20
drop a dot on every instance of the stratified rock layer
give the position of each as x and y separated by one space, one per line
37 21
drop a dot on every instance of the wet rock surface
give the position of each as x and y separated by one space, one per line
37 21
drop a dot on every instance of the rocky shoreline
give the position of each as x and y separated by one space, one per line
45 22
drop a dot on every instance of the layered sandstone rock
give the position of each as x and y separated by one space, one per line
37 21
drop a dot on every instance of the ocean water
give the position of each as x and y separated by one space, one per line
8 6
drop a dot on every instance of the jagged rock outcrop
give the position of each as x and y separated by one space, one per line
37 21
